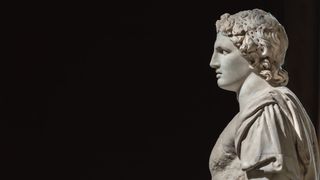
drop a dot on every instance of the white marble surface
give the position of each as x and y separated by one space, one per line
272 136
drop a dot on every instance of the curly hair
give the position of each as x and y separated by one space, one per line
261 39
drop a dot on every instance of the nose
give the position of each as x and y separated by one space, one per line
214 63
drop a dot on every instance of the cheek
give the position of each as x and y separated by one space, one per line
239 65
244 69
235 67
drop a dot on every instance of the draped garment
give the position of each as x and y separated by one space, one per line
272 137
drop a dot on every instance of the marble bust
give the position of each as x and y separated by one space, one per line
271 137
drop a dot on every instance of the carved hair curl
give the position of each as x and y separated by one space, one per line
261 39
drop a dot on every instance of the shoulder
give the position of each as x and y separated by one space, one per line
272 110
280 96
283 96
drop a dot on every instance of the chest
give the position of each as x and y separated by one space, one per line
223 155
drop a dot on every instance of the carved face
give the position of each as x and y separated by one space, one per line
231 68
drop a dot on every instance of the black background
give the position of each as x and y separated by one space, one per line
124 90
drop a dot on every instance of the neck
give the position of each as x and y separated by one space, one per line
252 87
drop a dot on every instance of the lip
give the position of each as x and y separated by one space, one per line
218 74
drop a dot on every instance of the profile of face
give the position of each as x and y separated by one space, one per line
232 69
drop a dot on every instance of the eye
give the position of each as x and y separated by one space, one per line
222 51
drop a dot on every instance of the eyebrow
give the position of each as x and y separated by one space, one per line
222 48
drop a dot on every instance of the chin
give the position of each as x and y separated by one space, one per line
227 86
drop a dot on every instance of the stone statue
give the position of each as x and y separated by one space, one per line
272 136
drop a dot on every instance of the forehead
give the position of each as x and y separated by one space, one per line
224 41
